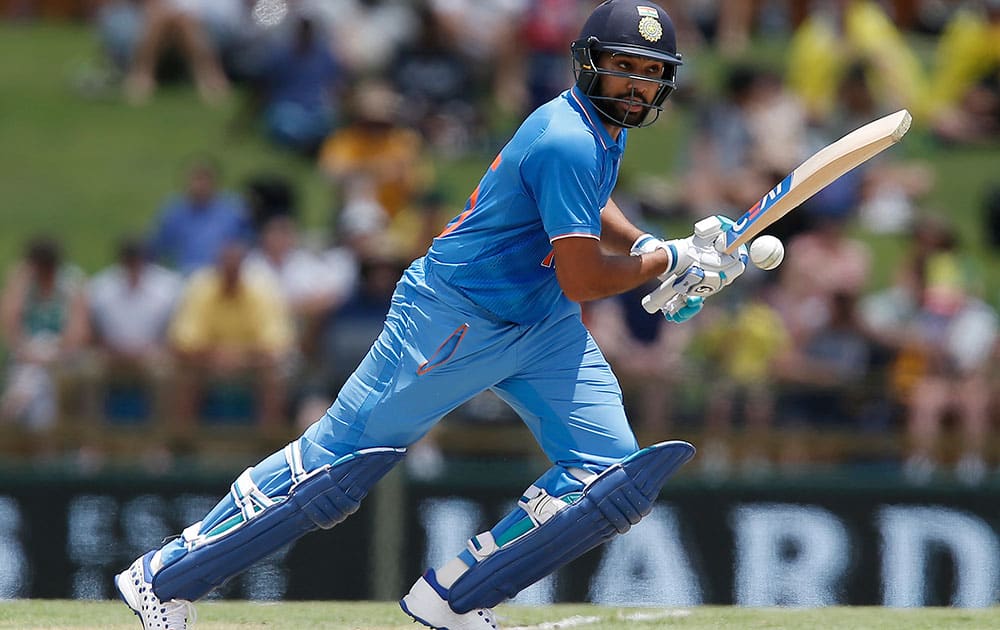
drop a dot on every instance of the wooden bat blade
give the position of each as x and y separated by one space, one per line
817 172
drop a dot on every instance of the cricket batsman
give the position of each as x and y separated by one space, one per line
494 304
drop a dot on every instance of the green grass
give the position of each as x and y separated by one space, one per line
54 615
90 168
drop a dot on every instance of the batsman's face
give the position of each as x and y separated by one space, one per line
634 93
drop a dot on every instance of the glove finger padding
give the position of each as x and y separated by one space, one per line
691 308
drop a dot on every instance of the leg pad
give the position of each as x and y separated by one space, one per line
258 525
610 504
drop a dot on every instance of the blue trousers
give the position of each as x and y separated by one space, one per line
438 350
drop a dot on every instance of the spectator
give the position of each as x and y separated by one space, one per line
43 313
823 376
543 30
192 227
131 303
858 30
309 288
745 345
232 325
268 195
745 142
441 87
377 164
822 263
366 34
312 287
300 90
884 189
186 25
944 336
964 94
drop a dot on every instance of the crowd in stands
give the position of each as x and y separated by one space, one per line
223 308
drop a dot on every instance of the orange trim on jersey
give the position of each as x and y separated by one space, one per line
472 201
451 341
472 206
548 261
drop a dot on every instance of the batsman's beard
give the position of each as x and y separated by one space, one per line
627 110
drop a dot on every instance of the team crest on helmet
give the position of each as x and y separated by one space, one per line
650 29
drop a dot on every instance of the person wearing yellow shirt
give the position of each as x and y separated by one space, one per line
842 34
747 343
963 99
230 325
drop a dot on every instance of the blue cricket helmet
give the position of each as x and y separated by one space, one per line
628 27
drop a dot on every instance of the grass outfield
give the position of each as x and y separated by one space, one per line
54 615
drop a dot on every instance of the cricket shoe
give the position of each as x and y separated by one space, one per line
135 587
427 603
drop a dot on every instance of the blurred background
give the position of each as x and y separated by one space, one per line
206 205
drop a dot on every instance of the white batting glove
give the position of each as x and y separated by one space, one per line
678 251
709 269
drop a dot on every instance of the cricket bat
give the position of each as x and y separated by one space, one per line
817 172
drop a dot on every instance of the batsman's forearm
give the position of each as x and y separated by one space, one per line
612 275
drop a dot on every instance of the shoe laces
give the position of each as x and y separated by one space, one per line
487 615
180 613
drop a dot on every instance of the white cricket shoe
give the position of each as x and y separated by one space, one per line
135 587
427 603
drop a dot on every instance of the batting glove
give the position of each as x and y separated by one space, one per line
692 306
678 251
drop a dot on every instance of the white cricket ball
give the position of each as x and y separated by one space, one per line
767 252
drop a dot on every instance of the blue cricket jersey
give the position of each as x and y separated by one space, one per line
549 182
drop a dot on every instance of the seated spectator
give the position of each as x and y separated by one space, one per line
824 371
310 288
43 314
944 336
964 93
858 30
377 165
745 143
192 227
300 89
822 262
131 303
366 34
743 345
232 325
440 85
186 26
538 54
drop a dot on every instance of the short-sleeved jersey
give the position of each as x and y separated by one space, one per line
549 182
